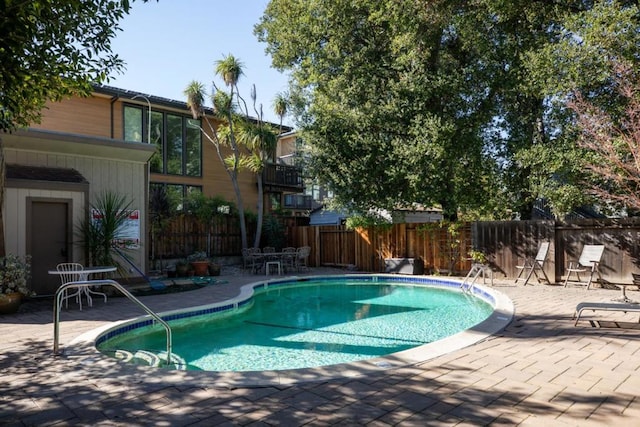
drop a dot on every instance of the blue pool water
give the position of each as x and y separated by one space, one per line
309 324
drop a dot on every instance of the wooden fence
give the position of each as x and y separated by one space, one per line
185 235
443 249
506 244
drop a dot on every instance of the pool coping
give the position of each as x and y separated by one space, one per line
83 349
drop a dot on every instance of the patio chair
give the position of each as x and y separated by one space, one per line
254 259
589 261
531 265
289 258
302 253
70 272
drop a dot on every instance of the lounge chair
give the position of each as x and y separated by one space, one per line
604 306
589 262
535 264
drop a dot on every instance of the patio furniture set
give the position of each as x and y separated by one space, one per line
76 272
268 260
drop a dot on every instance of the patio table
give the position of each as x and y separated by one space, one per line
83 275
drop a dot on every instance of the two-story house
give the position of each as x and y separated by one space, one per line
116 140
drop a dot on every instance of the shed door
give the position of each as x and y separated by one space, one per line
50 243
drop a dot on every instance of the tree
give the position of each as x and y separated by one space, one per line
613 144
450 102
51 49
281 107
240 142
582 59
397 99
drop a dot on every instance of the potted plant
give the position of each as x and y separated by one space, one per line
200 263
14 274
182 268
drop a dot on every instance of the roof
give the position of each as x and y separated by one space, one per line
43 173
323 216
158 100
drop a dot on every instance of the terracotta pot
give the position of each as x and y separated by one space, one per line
200 268
10 303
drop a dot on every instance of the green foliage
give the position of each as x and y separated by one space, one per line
477 256
98 237
365 221
273 232
15 272
207 209
162 207
446 234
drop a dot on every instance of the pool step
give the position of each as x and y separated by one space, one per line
148 358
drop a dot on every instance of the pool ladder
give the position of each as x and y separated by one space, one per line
477 269
82 283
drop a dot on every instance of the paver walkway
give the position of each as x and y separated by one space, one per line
541 370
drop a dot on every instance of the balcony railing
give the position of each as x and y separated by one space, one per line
283 178
298 201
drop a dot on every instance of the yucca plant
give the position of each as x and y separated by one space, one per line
101 229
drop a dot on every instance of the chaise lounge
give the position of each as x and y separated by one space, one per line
605 306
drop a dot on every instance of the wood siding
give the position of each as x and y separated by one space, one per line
100 116
125 177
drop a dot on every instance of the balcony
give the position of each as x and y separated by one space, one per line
282 178
298 202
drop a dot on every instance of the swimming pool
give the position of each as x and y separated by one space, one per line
308 322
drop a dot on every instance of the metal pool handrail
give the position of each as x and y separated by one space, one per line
118 286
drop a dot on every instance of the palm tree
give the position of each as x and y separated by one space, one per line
230 70
281 106
260 141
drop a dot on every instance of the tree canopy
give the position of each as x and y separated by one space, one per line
449 102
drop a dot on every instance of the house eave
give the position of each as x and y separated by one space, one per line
65 143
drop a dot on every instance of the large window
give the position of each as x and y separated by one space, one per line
177 139
157 138
133 126
193 148
177 193
174 145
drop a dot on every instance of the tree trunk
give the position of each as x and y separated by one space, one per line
240 203
260 207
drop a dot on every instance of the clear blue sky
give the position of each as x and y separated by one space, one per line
168 43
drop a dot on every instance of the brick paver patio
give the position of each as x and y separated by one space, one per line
541 370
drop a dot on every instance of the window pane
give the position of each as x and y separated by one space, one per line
176 194
132 124
194 148
157 131
174 145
